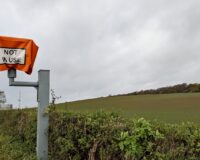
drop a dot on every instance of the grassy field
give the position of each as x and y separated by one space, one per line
173 108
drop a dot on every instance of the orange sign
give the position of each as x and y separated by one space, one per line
18 53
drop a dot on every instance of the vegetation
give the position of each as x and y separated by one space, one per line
98 136
179 88
89 130
17 135
171 108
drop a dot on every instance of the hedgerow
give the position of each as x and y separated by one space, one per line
98 136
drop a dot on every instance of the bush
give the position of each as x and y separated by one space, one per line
98 136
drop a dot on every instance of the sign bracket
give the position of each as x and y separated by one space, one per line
12 75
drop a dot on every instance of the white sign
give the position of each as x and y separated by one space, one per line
12 56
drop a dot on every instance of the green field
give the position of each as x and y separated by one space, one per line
173 108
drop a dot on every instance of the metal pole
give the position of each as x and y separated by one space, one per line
42 86
43 120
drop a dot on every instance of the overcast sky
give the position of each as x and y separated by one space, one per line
97 48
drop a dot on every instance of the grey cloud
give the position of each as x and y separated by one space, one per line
96 48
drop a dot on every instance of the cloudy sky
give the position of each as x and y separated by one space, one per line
101 47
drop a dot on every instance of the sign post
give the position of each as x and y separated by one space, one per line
42 87
43 119
20 54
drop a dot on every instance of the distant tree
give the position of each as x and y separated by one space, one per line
54 97
2 97
179 88
194 87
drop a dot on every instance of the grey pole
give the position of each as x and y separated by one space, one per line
43 87
43 119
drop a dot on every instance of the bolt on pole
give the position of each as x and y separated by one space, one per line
43 87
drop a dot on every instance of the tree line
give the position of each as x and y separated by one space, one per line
179 88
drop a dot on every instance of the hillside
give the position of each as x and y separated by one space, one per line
175 107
